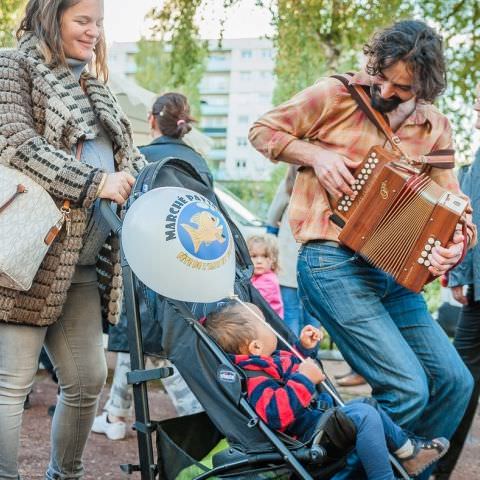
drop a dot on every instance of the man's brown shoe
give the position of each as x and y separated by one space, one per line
351 380
425 454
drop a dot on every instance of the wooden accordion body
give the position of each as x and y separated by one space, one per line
397 217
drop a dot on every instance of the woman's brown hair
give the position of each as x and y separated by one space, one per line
43 19
172 114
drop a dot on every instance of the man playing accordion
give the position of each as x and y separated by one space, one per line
383 330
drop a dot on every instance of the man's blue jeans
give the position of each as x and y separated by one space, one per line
387 335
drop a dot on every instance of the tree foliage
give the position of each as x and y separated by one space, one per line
321 37
175 45
318 37
10 11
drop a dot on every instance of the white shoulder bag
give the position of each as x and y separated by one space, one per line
29 223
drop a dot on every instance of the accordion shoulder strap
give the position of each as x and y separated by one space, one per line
440 158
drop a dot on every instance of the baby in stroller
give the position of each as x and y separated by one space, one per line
282 388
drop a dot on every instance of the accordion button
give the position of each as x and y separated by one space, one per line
349 203
424 254
362 182
438 243
373 154
376 160
369 171
428 247
364 170
431 240
421 261
359 177
347 197
340 208
427 263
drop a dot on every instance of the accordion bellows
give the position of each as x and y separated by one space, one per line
397 217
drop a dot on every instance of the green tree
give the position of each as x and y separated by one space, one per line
321 37
10 11
173 58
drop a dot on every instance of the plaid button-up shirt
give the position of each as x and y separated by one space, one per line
326 115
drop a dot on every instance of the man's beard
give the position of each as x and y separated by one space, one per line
381 104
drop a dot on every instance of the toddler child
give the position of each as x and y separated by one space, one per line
282 398
263 251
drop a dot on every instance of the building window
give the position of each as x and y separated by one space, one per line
266 53
241 163
241 141
245 76
243 119
246 53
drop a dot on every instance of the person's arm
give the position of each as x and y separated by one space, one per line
283 135
22 147
278 206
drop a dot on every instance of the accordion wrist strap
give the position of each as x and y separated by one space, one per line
439 158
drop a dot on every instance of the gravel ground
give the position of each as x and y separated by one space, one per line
103 457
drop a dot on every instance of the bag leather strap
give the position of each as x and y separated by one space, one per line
444 159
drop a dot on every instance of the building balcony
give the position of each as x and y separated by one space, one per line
214 89
218 65
215 131
207 109
217 154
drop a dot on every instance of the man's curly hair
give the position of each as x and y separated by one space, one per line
419 46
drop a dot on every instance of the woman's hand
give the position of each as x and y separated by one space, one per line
117 187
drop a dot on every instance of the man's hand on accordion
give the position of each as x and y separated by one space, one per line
332 171
443 259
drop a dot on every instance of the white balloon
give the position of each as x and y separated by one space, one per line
179 244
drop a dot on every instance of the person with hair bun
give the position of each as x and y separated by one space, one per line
170 120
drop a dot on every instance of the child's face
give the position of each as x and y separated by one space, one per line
261 262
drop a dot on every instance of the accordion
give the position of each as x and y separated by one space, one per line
398 215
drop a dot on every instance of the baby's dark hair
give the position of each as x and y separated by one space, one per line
172 114
233 327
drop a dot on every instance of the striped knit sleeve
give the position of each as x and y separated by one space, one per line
279 405
26 149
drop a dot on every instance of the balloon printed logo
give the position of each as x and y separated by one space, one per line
202 232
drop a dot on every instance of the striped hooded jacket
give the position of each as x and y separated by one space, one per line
282 398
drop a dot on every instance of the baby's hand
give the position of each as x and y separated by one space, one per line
310 336
311 370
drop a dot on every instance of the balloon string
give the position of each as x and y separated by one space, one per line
288 345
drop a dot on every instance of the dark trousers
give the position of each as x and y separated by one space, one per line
467 342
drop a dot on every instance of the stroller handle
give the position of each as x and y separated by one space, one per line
110 216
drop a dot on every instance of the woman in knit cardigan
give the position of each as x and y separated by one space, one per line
49 104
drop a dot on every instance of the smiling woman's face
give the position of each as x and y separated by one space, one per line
81 27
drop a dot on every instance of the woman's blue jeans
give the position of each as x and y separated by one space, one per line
387 335
75 346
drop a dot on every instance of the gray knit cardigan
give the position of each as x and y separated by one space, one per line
43 114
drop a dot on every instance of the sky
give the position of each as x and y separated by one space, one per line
125 20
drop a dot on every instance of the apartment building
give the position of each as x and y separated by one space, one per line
236 89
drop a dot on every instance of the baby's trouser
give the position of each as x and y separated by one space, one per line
377 434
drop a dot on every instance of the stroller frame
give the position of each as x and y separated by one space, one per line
139 378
